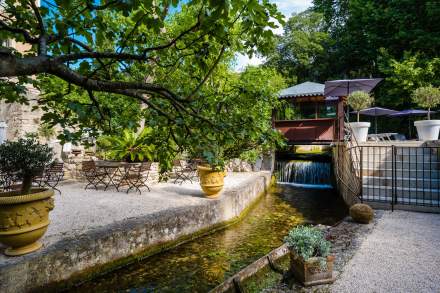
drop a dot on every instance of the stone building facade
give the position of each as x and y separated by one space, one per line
20 119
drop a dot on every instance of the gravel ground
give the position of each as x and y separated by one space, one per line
78 211
398 252
402 254
346 238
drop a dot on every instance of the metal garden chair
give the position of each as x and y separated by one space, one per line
135 176
184 173
92 174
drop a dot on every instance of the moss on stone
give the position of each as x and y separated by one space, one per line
98 270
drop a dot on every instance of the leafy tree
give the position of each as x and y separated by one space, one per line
105 66
406 75
299 52
427 97
100 45
359 100
360 28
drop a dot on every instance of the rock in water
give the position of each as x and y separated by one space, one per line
361 213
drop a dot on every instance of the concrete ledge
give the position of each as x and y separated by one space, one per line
72 259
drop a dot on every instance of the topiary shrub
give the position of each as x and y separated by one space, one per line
24 159
427 97
308 242
359 100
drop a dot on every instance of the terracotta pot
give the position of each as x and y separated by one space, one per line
211 181
24 219
310 272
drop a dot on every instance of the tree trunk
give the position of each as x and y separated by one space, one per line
429 113
26 184
358 115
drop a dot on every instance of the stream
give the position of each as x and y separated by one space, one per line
202 264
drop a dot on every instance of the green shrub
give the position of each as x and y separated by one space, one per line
427 97
308 242
129 147
24 159
359 100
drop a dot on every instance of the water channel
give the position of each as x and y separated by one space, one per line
200 265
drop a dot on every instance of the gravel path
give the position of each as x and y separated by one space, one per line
78 211
402 254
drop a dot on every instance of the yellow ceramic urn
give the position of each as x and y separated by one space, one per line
211 181
24 219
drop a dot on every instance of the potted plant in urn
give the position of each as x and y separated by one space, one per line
211 169
310 259
24 213
359 100
427 97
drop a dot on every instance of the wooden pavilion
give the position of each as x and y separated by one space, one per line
308 117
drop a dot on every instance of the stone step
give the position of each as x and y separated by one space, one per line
414 182
373 191
403 173
401 165
399 151
406 158
406 201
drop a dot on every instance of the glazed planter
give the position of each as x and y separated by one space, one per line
310 272
24 219
211 181
427 129
360 130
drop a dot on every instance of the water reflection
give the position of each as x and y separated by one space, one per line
202 264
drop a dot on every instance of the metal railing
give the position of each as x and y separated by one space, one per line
400 175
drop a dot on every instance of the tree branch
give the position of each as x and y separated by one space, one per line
125 56
208 74
39 18
27 36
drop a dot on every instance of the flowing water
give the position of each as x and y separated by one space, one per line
303 173
200 265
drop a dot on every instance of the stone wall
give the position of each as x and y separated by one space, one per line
20 118
71 260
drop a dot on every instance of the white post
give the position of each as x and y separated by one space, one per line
3 127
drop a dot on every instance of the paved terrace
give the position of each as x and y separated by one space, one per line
400 255
90 227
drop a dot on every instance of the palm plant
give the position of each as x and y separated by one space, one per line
129 147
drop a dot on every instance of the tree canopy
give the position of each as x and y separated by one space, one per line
105 66
398 40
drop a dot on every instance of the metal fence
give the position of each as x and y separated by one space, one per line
400 175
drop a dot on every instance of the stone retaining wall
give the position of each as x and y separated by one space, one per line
71 260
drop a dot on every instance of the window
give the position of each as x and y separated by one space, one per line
327 111
307 110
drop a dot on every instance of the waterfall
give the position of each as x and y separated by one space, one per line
304 173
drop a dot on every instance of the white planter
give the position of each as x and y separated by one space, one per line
360 130
427 129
